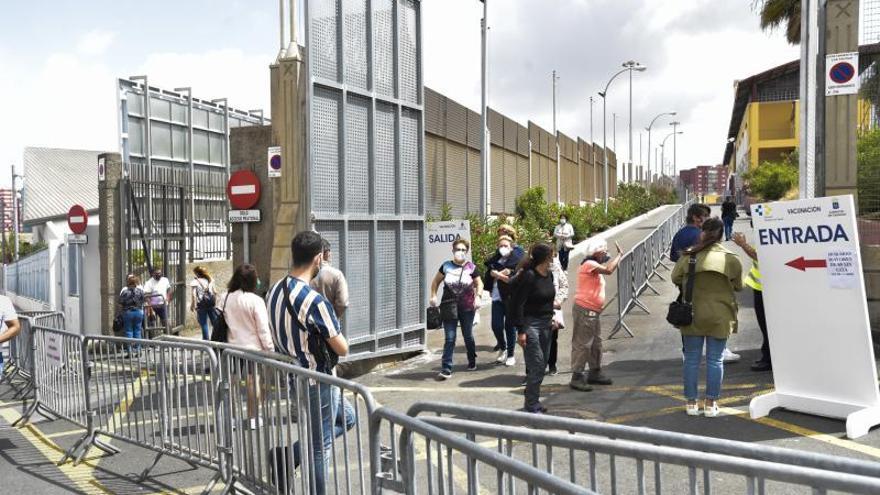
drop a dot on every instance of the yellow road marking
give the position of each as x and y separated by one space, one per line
82 475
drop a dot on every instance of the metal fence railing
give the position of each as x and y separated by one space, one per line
18 368
265 425
29 277
640 264
619 459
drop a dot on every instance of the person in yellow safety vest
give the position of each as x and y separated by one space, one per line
753 280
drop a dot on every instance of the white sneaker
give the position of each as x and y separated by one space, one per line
502 356
692 409
730 357
511 361
711 411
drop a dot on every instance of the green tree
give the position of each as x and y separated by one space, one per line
772 180
869 173
781 13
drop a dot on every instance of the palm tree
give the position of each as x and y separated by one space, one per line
776 13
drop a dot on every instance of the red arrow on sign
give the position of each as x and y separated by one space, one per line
802 264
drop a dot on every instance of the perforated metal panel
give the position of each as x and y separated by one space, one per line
496 165
366 179
522 174
473 179
435 170
457 179
509 181
357 154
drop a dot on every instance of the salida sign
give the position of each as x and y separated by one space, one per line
817 315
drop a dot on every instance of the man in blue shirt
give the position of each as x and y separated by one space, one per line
305 327
689 235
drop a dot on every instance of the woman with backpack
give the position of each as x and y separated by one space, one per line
531 309
131 300
715 274
204 298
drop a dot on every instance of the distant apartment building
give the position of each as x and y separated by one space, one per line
706 180
6 216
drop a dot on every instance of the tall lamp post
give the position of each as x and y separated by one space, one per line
675 148
627 67
649 137
663 150
484 92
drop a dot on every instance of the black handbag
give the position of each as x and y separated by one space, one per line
220 333
434 319
449 306
317 345
208 300
681 311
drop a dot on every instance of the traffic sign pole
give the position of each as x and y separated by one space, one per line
246 241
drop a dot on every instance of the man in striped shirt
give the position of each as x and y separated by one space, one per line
302 322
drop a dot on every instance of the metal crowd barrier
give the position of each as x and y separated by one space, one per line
570 448
58 376
18 371
428 459
162 396
640 264
282 417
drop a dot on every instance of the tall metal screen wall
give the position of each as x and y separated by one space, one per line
366 171
182 146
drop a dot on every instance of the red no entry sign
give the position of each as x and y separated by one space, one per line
77 219
243 189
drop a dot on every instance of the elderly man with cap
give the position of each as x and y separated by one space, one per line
586 340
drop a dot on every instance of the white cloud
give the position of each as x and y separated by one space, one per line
95 43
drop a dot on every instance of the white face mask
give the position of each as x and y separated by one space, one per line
459 256
562 221
504 252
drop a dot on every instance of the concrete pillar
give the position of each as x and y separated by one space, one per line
842 35
109 238
281 198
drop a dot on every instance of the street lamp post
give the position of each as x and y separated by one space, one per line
649 135
629 66
674 148
484 91
663 150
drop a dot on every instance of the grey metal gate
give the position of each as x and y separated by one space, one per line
365 169
162 246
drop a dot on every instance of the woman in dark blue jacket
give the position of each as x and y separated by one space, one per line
499 268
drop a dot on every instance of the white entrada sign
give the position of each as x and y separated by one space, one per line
841 74
817 313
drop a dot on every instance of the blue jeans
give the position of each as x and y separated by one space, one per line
327 421
693 352
505 332
204 315
466 318
728 227
133 322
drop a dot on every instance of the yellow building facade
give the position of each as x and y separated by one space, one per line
768 132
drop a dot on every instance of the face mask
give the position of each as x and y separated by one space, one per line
504 252
459 256
562 221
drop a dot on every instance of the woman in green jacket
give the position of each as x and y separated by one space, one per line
718 273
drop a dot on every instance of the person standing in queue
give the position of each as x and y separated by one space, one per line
717 274
531 309
500 268
331 283
203 300
728 216
753 281
589 300
564 235
131 301
689 235
560 283
304 326
462 286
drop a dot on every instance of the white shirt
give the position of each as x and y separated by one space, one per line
157 288
7 312
563 234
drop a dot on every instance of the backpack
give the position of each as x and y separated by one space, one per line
208 300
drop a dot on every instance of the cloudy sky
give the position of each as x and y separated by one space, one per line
59 59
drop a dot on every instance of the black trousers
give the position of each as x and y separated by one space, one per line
762 322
